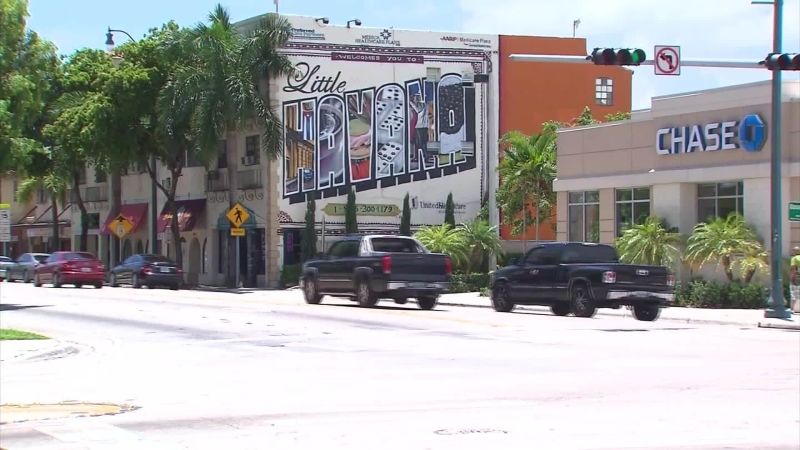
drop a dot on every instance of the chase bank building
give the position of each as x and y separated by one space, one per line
690 157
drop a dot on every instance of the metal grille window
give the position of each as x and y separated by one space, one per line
604 91
251 153
222 155
633 207
719 199
584 216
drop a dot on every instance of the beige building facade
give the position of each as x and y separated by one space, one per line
690 157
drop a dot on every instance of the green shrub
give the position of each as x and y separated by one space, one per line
710 294
290 275
473 282
505 259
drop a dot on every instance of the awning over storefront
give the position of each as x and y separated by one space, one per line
136 213
188 213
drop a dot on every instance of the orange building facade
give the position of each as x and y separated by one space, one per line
532 93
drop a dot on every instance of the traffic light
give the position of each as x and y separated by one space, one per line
617 56
782 61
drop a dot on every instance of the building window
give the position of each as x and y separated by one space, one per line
222 155
584 216
251 153
99 176
604 91
719 199
190 159
633 207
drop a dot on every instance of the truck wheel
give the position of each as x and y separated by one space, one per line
501 298
646 313
401 300
364 295
427 302
560 309
311 291
580 301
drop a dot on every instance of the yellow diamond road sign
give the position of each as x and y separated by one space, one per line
120 226
238 215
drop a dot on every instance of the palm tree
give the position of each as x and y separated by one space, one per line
221 85
649 243
484 241
527 171
56 187
445 239
725 240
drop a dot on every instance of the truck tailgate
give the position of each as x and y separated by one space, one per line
428 267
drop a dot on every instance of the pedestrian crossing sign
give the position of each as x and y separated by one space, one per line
238 215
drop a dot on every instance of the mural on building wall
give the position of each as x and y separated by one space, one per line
373 136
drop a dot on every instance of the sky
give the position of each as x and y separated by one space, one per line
704 29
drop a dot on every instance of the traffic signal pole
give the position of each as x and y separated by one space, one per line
725 64
775 62
777 306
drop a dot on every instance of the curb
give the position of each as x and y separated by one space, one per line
780 326
601 313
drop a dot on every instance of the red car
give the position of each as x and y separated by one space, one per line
76 268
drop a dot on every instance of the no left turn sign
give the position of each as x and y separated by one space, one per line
667 60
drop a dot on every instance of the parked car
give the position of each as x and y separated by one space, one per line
5 262
76 268
147 270
368 268
578 278
22 268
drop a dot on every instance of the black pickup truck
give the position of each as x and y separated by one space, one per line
368 268
578 278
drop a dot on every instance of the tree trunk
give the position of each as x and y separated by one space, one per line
726 264
537 222
172 208
232 163
116 201
748 276
524 230
55 239
84 237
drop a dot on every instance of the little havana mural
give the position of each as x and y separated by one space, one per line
339 136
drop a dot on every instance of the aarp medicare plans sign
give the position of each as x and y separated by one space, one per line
748 134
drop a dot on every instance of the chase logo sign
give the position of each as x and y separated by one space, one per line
749 134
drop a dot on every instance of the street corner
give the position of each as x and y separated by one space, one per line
792 323
15 413
13 351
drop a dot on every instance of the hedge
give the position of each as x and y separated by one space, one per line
290 275
474 282
710 294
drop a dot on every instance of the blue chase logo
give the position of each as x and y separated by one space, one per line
752 133
749 134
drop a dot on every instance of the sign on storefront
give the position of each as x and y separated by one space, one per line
748 134
337 209
5 222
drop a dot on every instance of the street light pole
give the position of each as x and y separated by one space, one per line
153 166
777 305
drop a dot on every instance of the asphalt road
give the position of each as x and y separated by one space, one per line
264 370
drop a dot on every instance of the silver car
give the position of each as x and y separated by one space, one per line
23 267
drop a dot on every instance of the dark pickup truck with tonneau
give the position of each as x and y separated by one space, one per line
368 268
578 278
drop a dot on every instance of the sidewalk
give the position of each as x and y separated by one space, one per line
35 350
742 317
